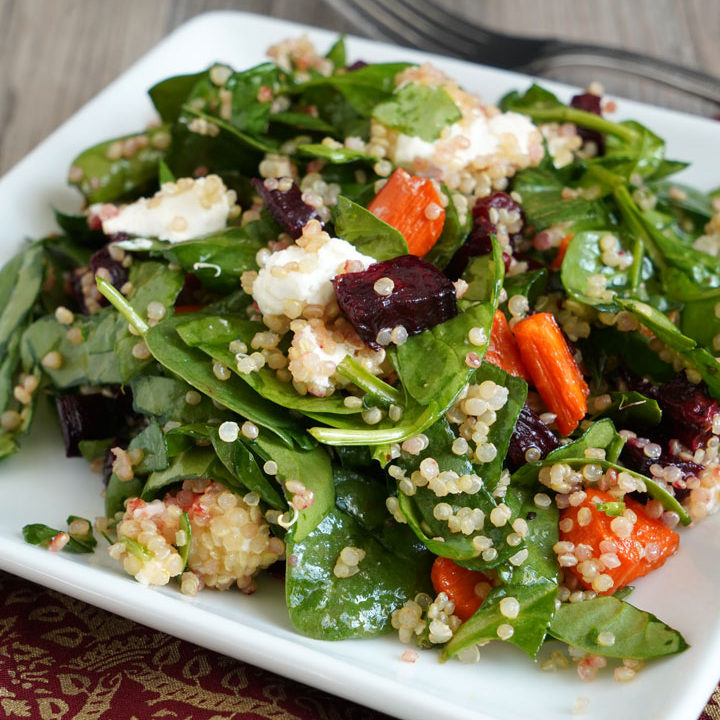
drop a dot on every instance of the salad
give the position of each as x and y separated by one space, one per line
450 366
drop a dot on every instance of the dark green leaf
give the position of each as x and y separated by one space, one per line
118 491
370 235
537 606
393 570
108 176
337 54
638 634
170 95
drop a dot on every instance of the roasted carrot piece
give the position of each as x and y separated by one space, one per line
503 350
615 560
554 372
466 588
556 264
411 205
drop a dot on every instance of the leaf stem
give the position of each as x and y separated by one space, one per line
352 370
120 303
585 119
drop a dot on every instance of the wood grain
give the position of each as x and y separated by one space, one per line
57 54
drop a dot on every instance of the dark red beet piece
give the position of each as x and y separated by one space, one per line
421 298
688 411
530 431
88 417
357 65
589 102
634 458
286 207
478 241
118 276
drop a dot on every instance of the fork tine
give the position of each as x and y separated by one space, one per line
406 26
443 20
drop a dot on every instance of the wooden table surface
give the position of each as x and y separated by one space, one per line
57 54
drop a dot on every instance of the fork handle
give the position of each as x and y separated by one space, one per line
557 54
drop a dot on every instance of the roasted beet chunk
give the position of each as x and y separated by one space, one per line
530 432
688 411
404 292
88 417
486 213
286 207
589 102
83 281
635 458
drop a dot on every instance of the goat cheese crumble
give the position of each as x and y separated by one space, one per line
303 274
181 210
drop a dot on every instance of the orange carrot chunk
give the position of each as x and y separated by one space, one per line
553 370
466 588
611 550
557 262
503 350
411 205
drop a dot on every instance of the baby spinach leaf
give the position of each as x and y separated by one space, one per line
363 88
337 54
393 570
221 331
531 284
632 409
118 491
311 467
152 443
165 399
302 121
38 534
683 197
250 114
432 365
435 534
169 95
221 258
638 634
541 563
545 205
668 332
583 259
484 275
196 462
108 176
335 155
165 174
370 235
20 283
241 464
193 366
454 232
419 111
537 606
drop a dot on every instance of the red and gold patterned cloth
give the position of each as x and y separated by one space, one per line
61 659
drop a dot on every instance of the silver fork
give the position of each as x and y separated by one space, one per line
422 24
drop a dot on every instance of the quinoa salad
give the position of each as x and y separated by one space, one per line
448 368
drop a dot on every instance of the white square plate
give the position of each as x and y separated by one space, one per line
39 485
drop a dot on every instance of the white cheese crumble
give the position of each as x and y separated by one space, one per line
303 275
179 211
468 139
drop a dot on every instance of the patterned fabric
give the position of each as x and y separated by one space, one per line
61 659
